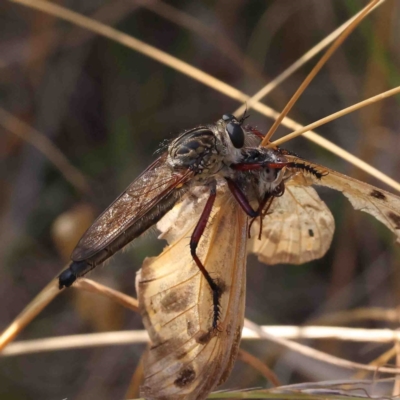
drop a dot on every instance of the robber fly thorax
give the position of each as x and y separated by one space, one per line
209 149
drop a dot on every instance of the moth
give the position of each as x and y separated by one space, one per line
216 195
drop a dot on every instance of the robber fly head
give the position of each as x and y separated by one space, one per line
208 148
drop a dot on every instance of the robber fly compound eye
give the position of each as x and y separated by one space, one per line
234 130
236 133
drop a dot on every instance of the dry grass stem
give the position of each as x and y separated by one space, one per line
316 354
114 295
140 336
336 115
46 147
327 332
336 44
258 365
76 342
200 76
29 312
383 359
299 63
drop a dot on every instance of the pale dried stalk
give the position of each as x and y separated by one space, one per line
299 63
29 312
76 342
336 115
258 365
338 42
114 295
49 293
200 76
316 354
140 336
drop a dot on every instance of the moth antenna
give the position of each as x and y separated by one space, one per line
309 168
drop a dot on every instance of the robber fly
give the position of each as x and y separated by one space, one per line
188 357
215 177
193 159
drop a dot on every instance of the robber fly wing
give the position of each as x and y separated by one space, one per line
384 206
188 358
298 228
142 195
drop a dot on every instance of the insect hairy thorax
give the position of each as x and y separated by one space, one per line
207 149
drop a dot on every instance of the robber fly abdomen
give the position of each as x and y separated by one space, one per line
82 264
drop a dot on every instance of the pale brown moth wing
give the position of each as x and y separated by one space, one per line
384 206
144 193
188 358
298 228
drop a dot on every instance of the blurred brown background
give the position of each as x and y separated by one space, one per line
108 109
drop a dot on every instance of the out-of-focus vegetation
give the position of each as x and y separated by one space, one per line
108 109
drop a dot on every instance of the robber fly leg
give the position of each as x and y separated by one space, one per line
194 241
244 202
242 199
76 269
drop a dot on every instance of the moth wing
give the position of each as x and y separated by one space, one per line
298 228
384 206
188 358
142 195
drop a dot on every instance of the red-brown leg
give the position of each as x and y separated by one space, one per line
242 199
267 197
194 241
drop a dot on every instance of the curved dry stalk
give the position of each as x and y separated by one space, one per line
29 312
316 354
76 342
326 332
47 295
336 44
299 63
46 147
309 134
337 115
200 76
259 366
140 336
114 295
382 359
